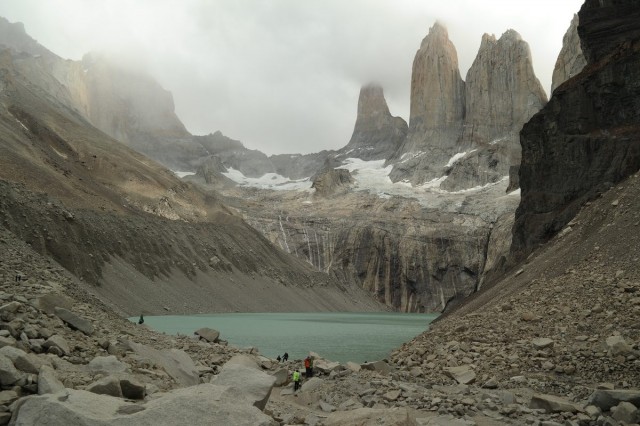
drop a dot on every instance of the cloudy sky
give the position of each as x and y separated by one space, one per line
283 76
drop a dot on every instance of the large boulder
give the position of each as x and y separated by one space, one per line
605 399
200 405
48 381
177 363
107 364
74 321
8 372
254 384
50 301
208 334
23 361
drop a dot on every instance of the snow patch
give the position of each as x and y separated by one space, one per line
182 174
410 156
268 181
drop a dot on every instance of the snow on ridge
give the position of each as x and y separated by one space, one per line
268 181
410 156
182 174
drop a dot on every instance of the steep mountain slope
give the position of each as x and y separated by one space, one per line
128 226
587 138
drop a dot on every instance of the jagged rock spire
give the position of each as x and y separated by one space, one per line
570 60
437 91
502 91
376 134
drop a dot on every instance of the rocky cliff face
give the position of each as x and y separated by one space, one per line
437 94
376 134
571 59
587 137
477 121
502 93
411 257
437 109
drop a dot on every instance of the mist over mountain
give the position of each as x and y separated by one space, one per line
514 217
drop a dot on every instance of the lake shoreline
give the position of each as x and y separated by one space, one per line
335 336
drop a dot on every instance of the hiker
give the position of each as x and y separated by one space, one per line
278 358
285 357
296 380
307 367
141 320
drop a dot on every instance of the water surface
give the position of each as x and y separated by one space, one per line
339 337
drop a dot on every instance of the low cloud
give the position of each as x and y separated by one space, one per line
283 76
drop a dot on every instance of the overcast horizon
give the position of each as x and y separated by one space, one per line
284 76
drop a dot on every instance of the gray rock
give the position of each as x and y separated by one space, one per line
11 307
29 363
312 384
74 321
109 385
57 341
200 405
618 346
392 395
542 343
245 360
132 388
177 363
7 397
324 366
49 302
282 377
553 404
254 384
326 407
378 366
604 399
107 364
8 372
626 412
7 341
48 381
208 334
462 374
353 366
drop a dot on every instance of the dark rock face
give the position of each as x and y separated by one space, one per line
377 134
587 138
607 25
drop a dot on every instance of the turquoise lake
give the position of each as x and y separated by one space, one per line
338 337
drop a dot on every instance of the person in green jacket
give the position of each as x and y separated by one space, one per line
296 380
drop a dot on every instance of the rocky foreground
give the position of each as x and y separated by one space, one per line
559 345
